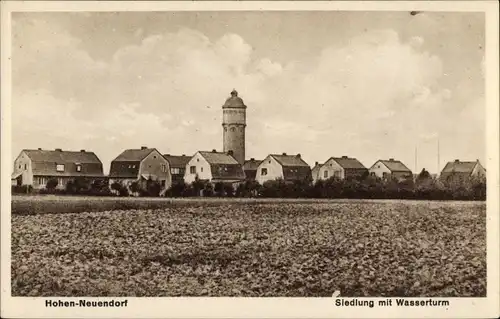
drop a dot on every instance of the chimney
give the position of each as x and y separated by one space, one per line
83 151
252 159
39 148
167 154
316 164
230 152
58 150
284 154
344 156
391 159
456 161
214 151
298 155
183 154
144 147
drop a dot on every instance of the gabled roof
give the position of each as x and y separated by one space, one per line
251 165
223 166
218 158
62 156
395 166
459 167
348 162
133 155
177 161
44 163
290 160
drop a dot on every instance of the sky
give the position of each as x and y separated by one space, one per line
370 85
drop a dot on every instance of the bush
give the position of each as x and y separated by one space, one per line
177 189
51 184
21 189
120 189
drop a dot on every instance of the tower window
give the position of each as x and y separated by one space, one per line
232 129
225 129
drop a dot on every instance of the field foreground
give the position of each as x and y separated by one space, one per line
361 248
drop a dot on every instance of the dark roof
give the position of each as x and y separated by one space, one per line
132 155
218 158
177 161
62 156
44 163
348 162
459 167
227 172
395 166
290 160
234 101
294 173
251 165
124 169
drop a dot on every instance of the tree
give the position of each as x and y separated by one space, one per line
51 184
219 189
135 187
229 190
153 188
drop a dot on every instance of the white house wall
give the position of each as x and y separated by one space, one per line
379 169
274 170
332 167
202 169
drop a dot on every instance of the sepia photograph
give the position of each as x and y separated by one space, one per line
249 153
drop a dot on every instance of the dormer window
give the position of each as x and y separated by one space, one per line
78 167
60 167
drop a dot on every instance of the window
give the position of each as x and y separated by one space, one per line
60 167
163 168
175 170
201 169
263 171
19 166
326 174
25 166
225 129
337 174
192 169
163 183
78 168
232 129
384 174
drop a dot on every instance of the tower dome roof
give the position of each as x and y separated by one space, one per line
234 101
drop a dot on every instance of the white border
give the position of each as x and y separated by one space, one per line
260 307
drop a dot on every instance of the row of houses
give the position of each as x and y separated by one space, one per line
36 167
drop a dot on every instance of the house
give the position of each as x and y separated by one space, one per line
214 167
250 168
140 165
342 168
315 171
391 168
37 167
287 167
177 166
458 171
